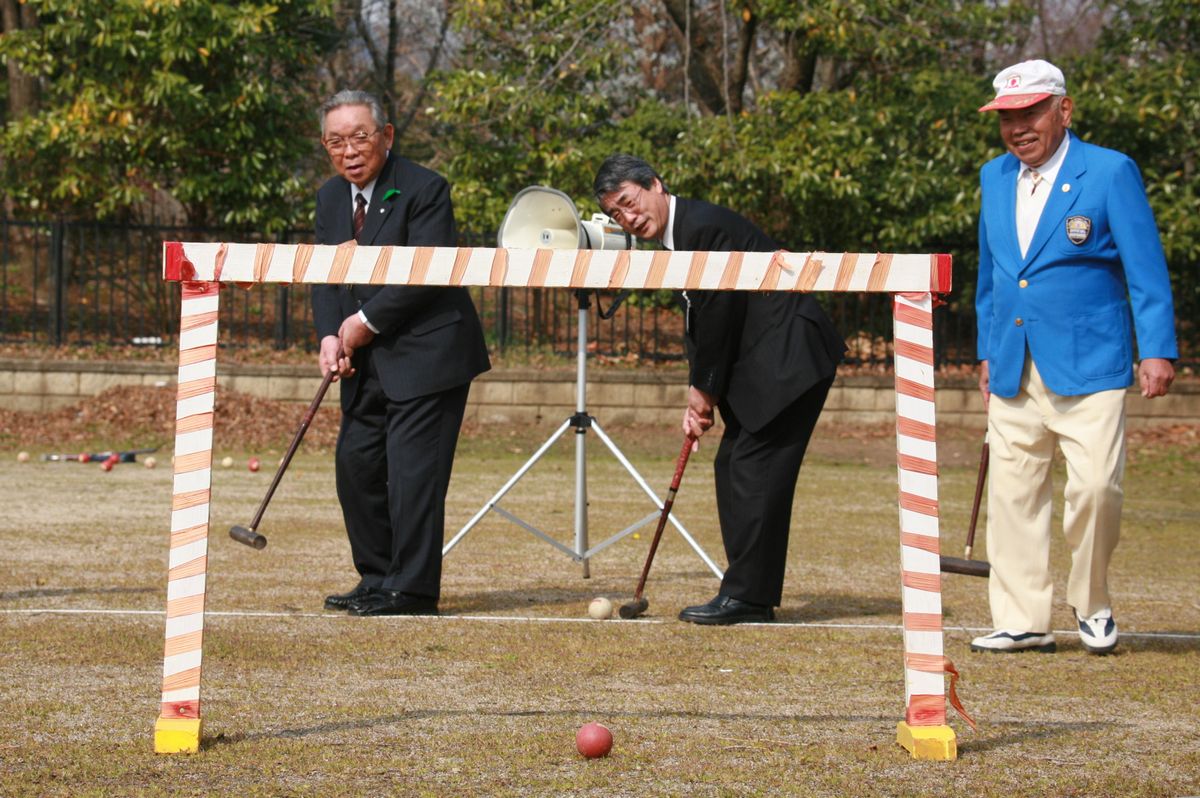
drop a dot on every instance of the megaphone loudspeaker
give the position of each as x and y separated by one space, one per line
545 218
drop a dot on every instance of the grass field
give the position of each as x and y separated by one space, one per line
485 700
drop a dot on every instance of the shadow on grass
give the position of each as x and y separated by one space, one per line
574 716
827 606
1157 642
1001 735
492 600
994 736
813 607
57 592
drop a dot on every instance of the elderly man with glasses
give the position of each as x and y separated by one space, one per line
1070 269
405 357
766 360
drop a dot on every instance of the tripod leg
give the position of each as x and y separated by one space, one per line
633 472
492 502
581 517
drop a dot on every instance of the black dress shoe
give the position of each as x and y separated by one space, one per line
394 602
725 610
342 601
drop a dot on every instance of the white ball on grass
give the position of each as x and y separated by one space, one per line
600 608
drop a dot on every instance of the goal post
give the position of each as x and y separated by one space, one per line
913 280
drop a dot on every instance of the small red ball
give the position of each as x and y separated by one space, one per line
253 465
593 740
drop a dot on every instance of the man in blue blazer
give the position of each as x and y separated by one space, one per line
405 356
1070 268
766 359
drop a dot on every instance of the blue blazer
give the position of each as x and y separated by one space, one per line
1068 301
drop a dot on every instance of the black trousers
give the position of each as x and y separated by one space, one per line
393 466
756 481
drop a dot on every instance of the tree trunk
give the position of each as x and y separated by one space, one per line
701 74
741 65
800 68
22 87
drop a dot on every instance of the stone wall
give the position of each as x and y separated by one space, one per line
614 396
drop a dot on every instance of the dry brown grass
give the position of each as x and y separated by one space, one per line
486 700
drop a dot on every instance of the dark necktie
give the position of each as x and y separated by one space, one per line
360 213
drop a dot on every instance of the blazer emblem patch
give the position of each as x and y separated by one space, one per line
1078 229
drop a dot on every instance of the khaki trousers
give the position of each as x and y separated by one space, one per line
1022 433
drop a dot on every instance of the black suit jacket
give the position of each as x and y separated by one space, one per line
430 338
756 351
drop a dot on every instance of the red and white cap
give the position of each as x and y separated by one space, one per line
1026 83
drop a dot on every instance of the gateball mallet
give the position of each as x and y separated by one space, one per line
639 604
965 565
249 534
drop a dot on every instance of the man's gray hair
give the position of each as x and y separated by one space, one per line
620 168
352 97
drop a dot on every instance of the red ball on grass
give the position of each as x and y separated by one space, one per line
254 464
593 740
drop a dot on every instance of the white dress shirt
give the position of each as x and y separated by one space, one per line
1030 202
668 238
668 242
366 192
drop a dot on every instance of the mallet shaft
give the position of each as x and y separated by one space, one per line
639 605
249 535
968 566
979 482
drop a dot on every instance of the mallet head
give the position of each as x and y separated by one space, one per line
634 608
957 565
247 536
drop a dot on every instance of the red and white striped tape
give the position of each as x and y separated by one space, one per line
556 268
920 563
188 563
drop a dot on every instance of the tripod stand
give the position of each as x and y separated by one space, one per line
581 422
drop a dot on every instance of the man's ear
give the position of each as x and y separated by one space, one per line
657 187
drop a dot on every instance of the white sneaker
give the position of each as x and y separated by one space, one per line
1006 641
1098 632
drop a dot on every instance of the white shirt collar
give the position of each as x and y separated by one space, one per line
1049 170
668 238
366 191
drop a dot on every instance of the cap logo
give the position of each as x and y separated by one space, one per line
1014 82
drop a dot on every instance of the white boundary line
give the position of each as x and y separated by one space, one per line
334 616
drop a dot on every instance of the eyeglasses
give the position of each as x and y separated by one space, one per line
622 205
336 145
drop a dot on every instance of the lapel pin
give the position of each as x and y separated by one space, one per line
1066 187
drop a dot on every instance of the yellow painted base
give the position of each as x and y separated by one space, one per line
177 735
927 742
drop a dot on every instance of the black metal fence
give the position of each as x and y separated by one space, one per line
93 284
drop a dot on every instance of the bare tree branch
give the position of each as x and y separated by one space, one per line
581 36
434 56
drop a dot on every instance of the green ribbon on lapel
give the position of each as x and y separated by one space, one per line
392 192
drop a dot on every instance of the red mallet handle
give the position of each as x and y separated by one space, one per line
979 482
680 464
